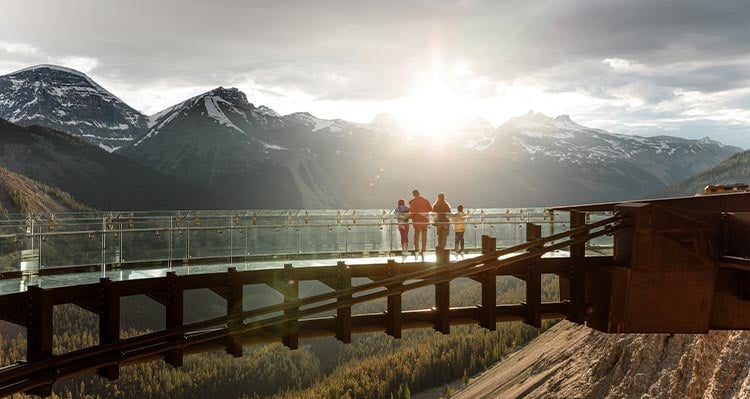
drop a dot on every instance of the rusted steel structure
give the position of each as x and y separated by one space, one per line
679 265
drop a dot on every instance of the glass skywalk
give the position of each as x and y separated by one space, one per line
61 249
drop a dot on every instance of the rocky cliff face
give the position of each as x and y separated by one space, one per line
572 361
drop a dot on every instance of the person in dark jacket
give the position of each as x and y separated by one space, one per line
443 210
419 209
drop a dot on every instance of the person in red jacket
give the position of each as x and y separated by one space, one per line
419 209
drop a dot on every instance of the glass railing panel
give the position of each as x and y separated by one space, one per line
320 239
69 242
272 240
147 239
13 246
210 237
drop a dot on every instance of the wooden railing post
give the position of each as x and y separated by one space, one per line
533 280
343 314
489 244
234 308
39 332
578 272
109 323
489 300
175 316
442 294
393 327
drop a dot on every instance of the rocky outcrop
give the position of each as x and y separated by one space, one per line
572 361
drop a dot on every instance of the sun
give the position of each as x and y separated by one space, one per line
431 111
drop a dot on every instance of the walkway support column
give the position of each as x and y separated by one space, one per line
39 332
578 272
489 300
291 294
343 314
234 309
175 316
109 323
489 288
533 314
442 293
393 327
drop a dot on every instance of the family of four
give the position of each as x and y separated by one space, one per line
418 212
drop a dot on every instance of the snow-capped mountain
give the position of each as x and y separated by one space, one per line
223 142
539 136
542 139
68 100
254 157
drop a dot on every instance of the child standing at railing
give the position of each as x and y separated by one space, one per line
402 217
459 226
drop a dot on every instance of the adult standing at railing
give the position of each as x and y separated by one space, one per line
419 209
443 210
402 216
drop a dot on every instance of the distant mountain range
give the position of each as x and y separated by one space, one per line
735 169
249 156
91 175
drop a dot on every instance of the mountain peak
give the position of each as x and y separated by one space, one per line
48 68
231 94
66 99
265 110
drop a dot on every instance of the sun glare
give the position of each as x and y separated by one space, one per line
432 111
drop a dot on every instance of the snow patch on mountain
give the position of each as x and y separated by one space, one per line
214 111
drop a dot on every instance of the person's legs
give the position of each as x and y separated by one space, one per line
424 238
417 231
404 231
460 239
442 233
457 240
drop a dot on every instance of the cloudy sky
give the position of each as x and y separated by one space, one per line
678 67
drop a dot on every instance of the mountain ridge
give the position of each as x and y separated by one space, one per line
254 157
